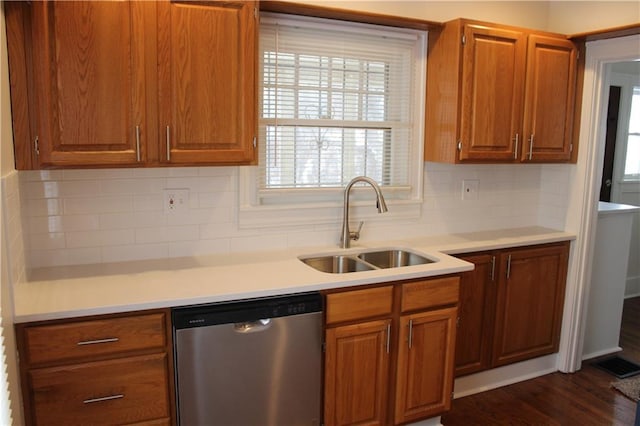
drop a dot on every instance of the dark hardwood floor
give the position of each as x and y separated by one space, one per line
583 398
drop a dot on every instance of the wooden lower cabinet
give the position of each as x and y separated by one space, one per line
107 370
391 366
424 380
357 369
511 306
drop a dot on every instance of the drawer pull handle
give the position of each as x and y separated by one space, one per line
95 342
102 399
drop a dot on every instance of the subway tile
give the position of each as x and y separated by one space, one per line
131 220
43 207
148 202
166 234
113 237
47 241
96 174
40 175
134 252
258 243
98 205
39 224
199 247
47 258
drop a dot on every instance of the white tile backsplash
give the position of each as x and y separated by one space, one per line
93 216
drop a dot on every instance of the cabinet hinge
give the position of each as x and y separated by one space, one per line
255 143
464 39
36 145
255 12
459 145
324 347
570 147
458 322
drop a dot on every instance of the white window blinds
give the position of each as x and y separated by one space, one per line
337 101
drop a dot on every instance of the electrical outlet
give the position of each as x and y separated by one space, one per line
470 189
176 200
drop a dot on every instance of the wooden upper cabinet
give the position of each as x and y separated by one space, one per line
207 86
88 64
490 87
549 99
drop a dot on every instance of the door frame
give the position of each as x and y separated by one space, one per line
585 178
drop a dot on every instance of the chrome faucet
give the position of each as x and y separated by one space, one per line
347 236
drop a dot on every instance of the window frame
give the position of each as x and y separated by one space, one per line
258 207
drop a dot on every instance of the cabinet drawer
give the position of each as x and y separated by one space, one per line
359 304
84 339
119 391
426 294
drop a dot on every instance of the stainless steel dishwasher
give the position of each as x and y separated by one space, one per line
249 363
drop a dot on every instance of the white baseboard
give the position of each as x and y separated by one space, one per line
434 421
503 376
632 287
602 352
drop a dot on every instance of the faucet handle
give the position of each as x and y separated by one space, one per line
355 236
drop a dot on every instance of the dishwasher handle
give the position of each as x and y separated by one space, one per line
252 326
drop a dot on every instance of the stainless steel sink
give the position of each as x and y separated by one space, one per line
337 264
365 261
393 258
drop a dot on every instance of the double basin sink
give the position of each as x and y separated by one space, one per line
365 261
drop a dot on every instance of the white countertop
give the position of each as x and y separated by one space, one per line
605 208
74 291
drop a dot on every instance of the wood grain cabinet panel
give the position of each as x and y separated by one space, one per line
425 364
499 94
476 313
107 370
511 306
356 373
87 339
393 370
119 391
133 83
88 63
529 303
207 80
549 99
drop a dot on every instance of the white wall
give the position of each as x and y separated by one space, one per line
12 266
574 17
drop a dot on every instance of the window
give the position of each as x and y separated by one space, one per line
632 158
338 100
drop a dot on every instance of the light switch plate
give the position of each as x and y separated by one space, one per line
470 188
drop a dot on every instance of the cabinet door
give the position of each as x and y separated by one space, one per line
118 391
90 96
356 371
492 92
549 99
425 364
475 314
529 303
207 81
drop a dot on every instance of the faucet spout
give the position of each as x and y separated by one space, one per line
347 235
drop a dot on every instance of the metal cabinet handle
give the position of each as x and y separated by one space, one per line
138 143
515 151
98 341
508 266
388 336
493 268
410 333
531 146
168 144
102 399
